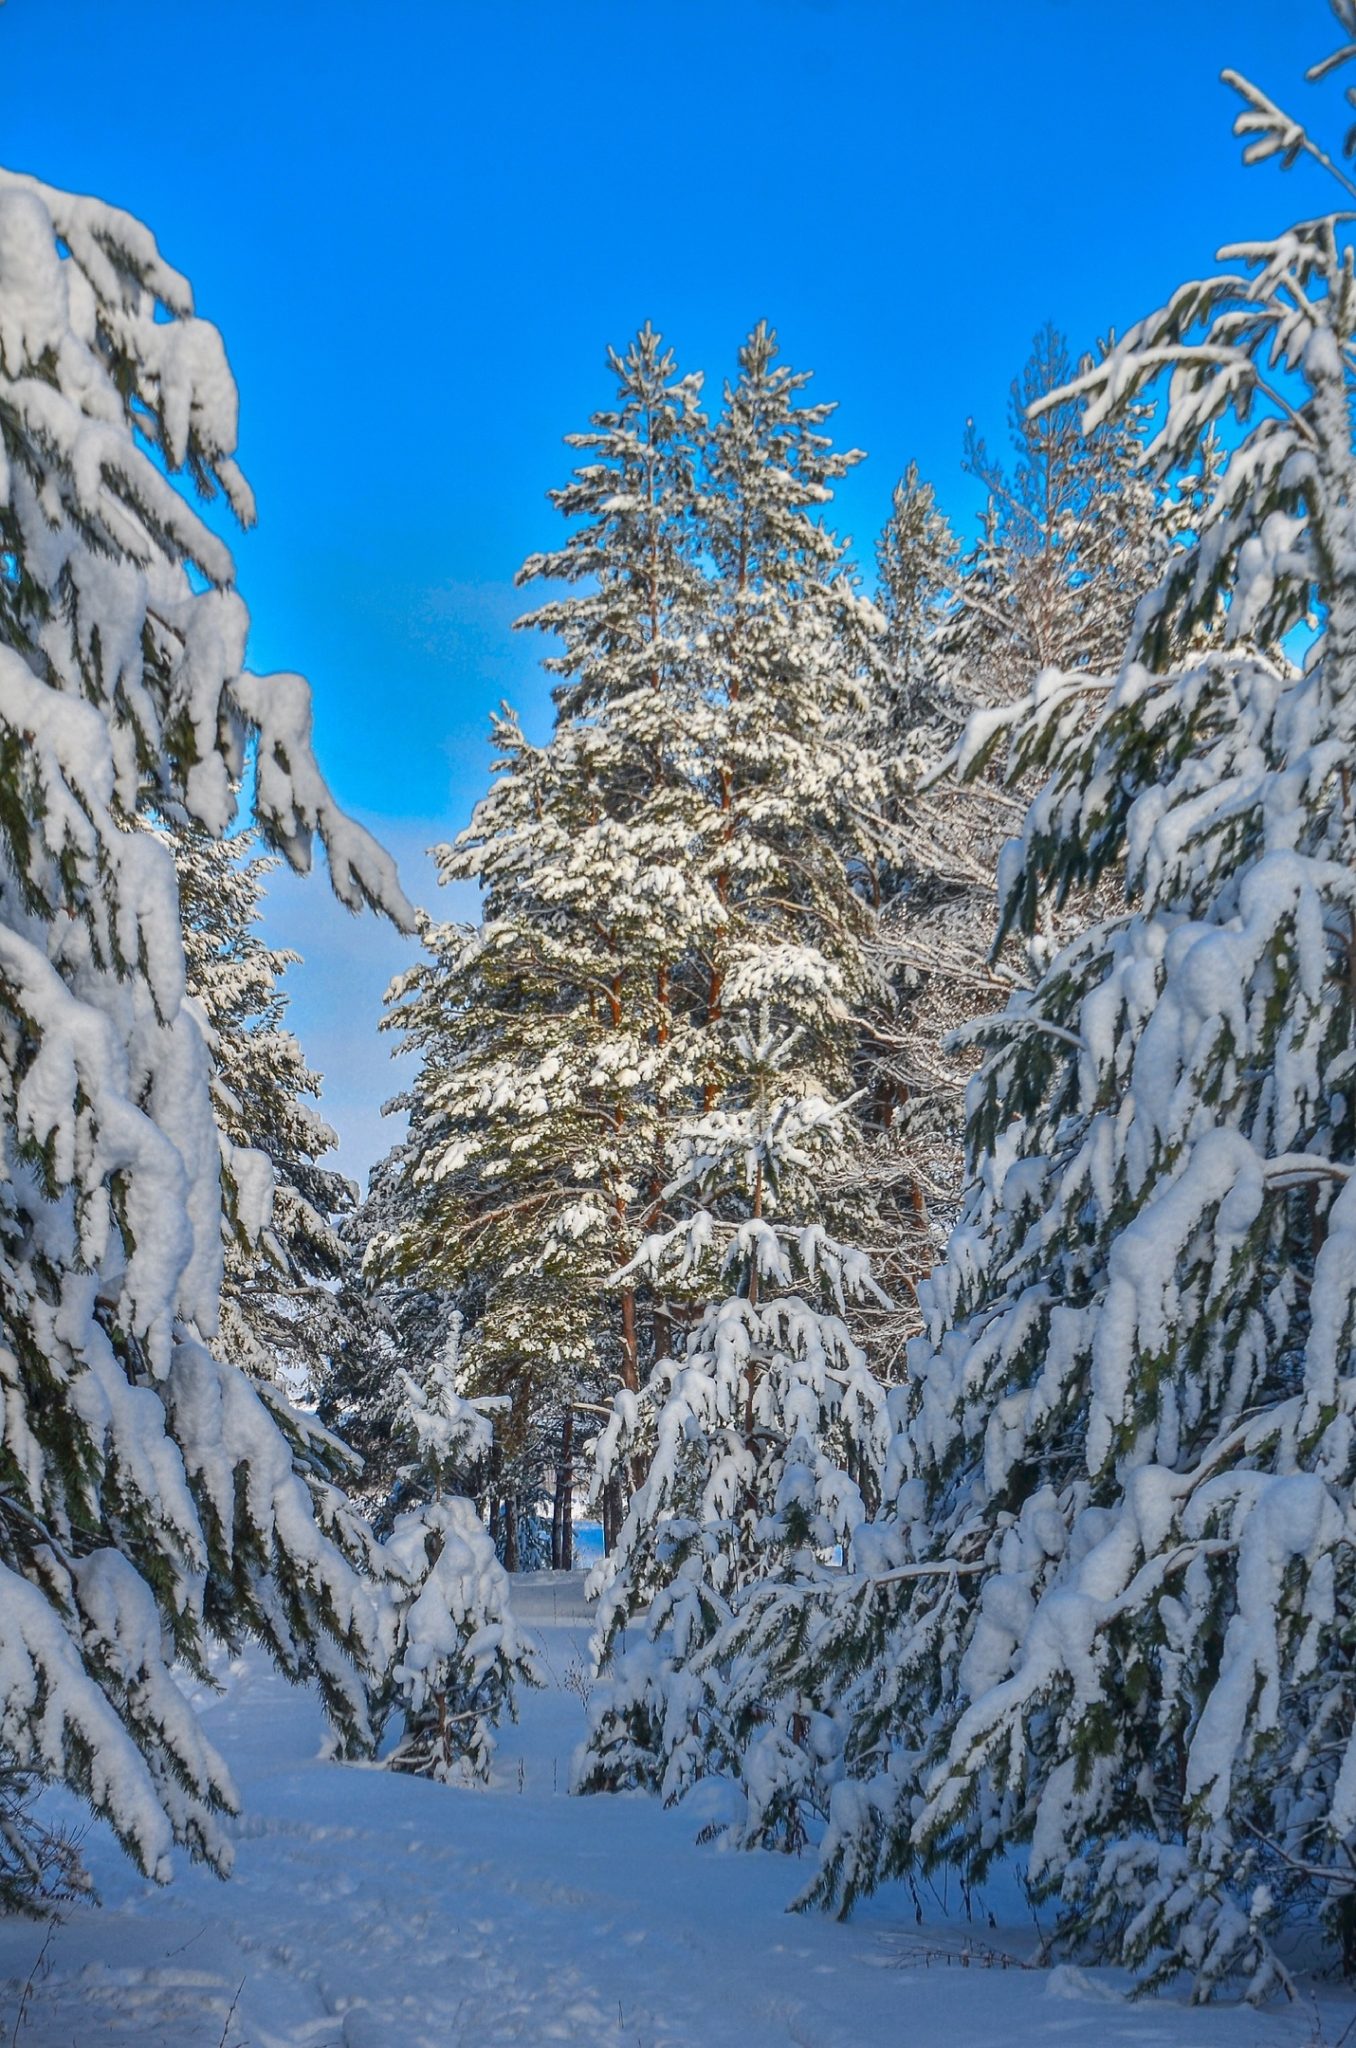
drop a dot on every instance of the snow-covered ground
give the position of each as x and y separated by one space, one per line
375 1911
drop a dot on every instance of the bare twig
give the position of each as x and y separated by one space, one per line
187 1944
33 1975
231 2014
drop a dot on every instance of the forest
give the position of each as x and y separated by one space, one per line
877 1174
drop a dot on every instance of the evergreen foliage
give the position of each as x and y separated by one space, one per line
281 1316
1045 1556
148 1500
1106 1615
555 1037
455 1651
762 1445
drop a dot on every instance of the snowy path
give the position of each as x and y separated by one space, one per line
371 1911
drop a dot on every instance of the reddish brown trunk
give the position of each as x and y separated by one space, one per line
714 990
612 1515
562 1507
630 1361
751 1371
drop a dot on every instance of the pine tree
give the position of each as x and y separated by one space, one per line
555 1038
504 1211
1069 540
631 682
147 1499
786 733
742 1440
1108 1615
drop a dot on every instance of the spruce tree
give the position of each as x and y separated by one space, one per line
282 1318
916 571
1109 1612
386 1323
762 1444
148 1501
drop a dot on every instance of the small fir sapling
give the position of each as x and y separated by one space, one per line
455 1652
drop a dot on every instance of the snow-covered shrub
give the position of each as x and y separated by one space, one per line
459 1653
455 1652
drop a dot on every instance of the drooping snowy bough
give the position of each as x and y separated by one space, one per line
1111 1605
147 1499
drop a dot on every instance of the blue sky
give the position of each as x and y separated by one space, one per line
419 223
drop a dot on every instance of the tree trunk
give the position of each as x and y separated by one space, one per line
612 1514
565 1490
511 1558
562 1508
630 1358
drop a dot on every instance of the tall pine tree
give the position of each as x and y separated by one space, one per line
751 1443
556 1039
